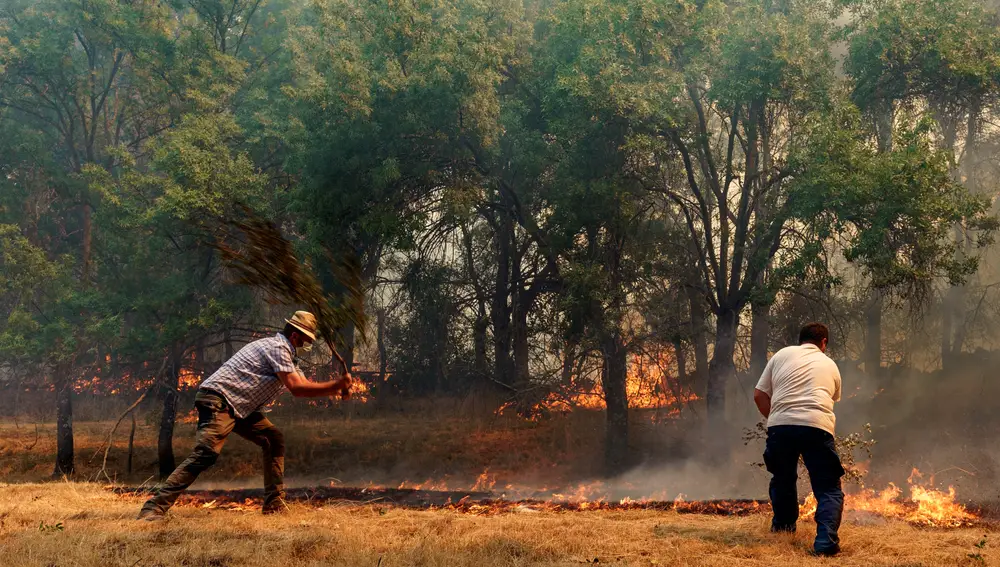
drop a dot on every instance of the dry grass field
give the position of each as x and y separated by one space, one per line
381 449
83 523
79 524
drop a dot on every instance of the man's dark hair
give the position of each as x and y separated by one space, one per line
289 329
814 333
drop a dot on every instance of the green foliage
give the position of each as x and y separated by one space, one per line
978 554
947 51
572 170
430 359
890 212
37 322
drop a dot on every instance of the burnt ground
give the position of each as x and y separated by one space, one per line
487 503
463 501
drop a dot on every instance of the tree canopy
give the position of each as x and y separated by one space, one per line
525 201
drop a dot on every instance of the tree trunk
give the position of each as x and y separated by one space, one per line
64 423
228 342
722 369
613 378
958 323
947 327
873 336
681 356
760 331
346 344
482 322
383 355
88 231
165 442
568 363
699 336
199 359
480 364
953 321
519 337
873 311
501 312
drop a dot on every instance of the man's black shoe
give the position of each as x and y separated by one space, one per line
827 551
783 529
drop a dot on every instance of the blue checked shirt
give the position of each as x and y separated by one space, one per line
249 380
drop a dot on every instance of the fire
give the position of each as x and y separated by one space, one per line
649 385
935 508
808 507
188 379
926 505
360 391
485 482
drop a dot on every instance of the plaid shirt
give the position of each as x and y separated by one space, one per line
249 380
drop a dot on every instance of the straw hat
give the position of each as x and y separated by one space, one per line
305 322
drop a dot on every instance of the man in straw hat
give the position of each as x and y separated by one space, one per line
231 399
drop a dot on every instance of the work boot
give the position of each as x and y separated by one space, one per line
151 515
275 506
826 551
783 529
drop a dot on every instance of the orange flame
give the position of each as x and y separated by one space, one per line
485 482
926 505
648 385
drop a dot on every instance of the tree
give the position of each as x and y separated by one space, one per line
163 278
745 80
39 309
386 96
940 57
66 79
891 212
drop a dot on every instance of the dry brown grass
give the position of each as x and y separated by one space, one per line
98 529
383 449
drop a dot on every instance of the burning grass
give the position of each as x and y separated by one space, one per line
926 505
84 524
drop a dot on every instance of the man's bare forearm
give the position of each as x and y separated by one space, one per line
301 387
317 389
763 402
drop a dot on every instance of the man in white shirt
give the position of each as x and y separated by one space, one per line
796 393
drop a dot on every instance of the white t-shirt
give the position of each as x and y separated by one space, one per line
803 383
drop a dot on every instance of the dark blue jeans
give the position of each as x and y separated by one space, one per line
781 455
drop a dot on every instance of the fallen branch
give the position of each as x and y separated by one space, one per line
131 446
32 446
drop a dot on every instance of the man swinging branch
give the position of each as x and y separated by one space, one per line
230 400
